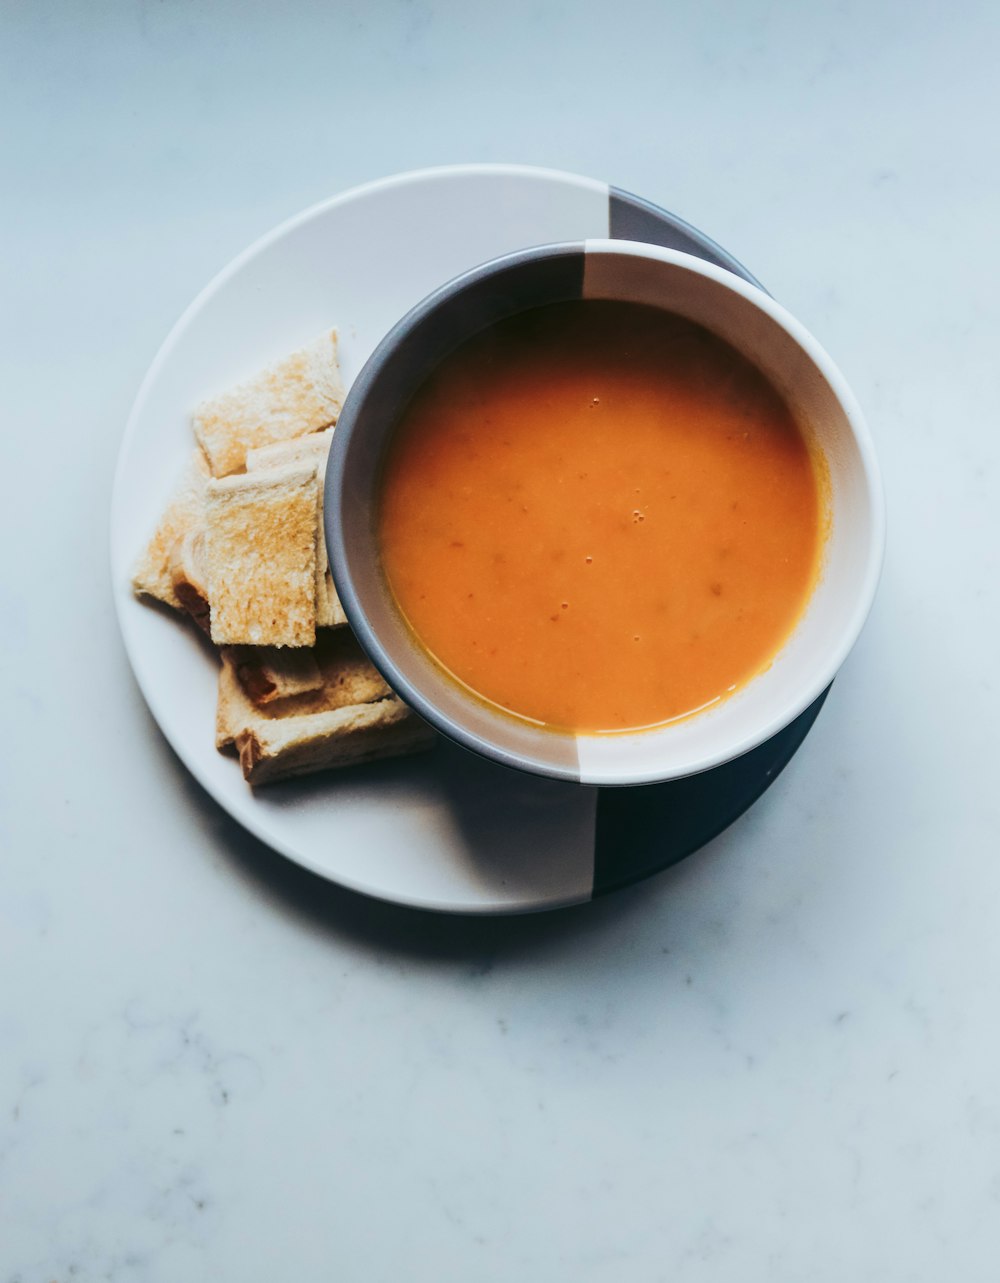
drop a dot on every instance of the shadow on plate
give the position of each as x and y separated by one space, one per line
628 820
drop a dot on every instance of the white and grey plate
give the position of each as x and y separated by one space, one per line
446 830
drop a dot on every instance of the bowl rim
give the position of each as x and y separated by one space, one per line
339 560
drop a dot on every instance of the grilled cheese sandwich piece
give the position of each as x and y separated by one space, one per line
346 677
353 718
301 394
152 576
347 736
260 557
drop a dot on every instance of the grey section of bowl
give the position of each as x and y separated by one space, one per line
393 373
630 218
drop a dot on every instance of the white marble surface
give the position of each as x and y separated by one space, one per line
778 1062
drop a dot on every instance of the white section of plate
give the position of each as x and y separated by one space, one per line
445 831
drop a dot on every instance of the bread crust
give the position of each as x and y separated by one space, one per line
260 557
309 449
152 575
347 736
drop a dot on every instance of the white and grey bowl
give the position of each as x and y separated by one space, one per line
737 311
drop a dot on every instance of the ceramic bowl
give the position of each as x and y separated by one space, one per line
759 328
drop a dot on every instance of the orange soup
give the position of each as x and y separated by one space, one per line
600 517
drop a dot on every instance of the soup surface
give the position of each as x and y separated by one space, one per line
600 517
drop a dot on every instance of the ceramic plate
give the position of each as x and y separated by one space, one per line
445 830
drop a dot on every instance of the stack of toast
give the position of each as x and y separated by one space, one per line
240 550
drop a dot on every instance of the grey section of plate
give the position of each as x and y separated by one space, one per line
630 218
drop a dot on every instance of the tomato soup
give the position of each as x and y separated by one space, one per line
600 517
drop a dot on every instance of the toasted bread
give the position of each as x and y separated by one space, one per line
354 718
303 450
152 576
300 394
347 736
329 612
346 677
244 553
260 557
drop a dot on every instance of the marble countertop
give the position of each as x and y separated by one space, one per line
777 1062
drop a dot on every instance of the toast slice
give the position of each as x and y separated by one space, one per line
346 677
260 557
152 575
353 718
300 394
349 736
311 449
